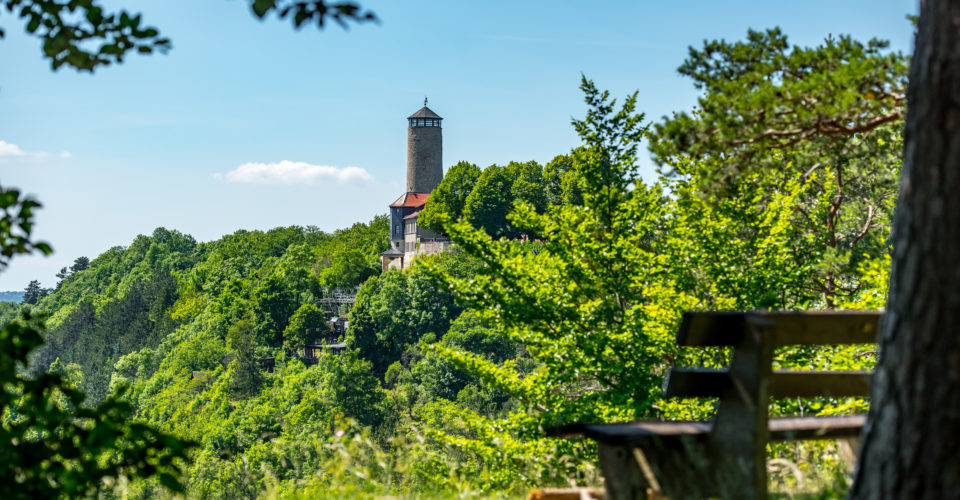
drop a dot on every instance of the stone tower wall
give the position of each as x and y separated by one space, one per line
424 159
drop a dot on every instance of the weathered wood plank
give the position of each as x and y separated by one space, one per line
630 433
566 494
623 479
740 431
781 429
713 383
788 328
802 428
805 384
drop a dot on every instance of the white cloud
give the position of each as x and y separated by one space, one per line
8 150
292 172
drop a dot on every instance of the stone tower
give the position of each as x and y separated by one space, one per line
409 240
424 151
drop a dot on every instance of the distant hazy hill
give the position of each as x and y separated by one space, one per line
11 296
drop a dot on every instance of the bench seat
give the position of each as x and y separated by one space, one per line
726 456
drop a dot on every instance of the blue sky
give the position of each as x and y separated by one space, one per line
183 140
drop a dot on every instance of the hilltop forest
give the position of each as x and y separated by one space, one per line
557 303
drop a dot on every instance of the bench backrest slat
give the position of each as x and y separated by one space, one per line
712 383
788 328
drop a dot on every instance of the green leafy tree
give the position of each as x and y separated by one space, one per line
563 182
61 275
84 35
448 201
528 185
356 391
273 304
16 224
353 255
490 201
295 266
307 325
79 264
349 267
470 333
33 292
486 198
94 330
579 300
53 445
67 450
596 299
396 309
786 113
244 371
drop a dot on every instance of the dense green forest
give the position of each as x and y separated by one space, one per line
558 302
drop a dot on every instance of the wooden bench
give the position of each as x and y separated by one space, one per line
726 457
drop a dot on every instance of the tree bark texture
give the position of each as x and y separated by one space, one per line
911 443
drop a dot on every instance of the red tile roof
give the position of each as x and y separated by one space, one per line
411 200
412 216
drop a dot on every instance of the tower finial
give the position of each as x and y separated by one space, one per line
424 101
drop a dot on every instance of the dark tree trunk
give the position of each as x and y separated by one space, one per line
911 444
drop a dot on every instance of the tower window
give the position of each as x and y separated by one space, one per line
424 122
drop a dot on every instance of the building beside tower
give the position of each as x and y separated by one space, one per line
424 173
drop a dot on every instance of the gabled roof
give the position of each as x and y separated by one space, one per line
391 251
425 112
411 200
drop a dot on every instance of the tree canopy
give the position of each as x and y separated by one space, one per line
448 201
85 35
560 302
775 113
54 443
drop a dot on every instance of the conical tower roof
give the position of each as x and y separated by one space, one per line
425 112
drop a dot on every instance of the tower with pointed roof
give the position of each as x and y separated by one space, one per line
424 173
424 151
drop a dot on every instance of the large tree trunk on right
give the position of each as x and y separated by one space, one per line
910 444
